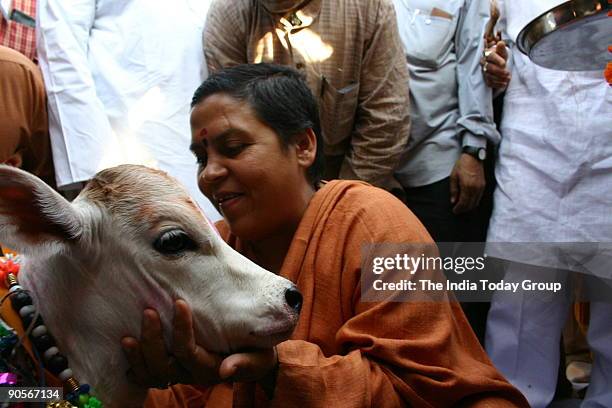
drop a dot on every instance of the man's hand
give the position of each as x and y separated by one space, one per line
467 183
493 62
188 363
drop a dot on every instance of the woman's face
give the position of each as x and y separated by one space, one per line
261 188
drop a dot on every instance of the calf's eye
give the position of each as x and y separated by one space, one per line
173 242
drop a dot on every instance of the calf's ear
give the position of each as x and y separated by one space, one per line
32 213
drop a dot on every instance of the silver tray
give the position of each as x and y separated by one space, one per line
573 36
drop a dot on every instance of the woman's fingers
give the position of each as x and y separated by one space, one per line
200 366
137 373
183 344
251 366
154 349
150 363
152 366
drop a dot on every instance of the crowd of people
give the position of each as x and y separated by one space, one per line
317 127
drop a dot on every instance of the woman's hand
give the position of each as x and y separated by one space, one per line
494 65
152 365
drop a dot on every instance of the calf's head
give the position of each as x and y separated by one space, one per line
134 239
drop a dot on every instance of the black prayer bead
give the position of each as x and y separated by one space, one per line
27 319
43 342
57 364
19 300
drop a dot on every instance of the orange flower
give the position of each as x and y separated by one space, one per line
8 266
608 73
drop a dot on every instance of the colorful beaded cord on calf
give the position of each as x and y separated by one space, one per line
44 346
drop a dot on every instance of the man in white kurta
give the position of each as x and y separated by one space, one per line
120 75
554 175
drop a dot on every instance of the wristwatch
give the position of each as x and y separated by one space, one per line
479 153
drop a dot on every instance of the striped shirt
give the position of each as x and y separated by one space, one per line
18 36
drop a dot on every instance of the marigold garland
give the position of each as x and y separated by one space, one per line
77 395
608 71
8 264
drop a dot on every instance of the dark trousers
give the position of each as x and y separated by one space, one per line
431 204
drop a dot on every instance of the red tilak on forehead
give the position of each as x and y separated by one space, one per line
203 132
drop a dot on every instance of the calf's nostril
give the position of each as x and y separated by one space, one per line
294 298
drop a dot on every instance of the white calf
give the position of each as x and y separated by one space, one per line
134 239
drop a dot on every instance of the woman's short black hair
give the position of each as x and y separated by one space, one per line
280 98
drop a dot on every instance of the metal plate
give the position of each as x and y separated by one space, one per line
573 36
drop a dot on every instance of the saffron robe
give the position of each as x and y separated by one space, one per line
348 353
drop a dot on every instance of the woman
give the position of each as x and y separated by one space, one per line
255 133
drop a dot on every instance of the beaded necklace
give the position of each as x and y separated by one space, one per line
44 346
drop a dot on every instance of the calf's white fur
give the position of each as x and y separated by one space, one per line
133 239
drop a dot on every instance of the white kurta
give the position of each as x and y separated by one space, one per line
554 175
120 75
554 170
